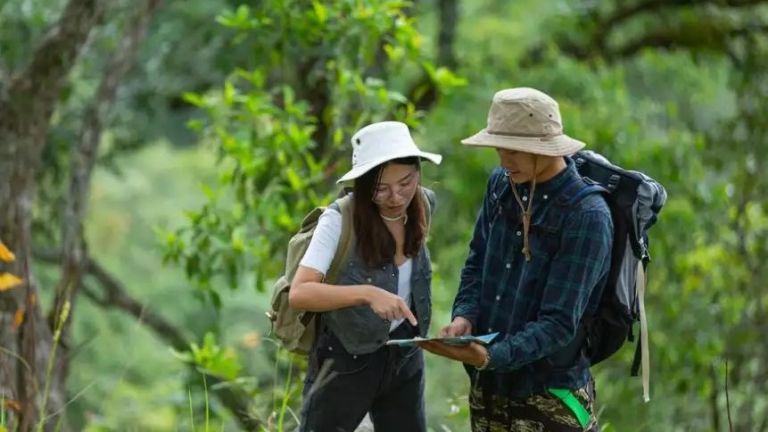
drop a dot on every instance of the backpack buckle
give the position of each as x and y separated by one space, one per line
613 182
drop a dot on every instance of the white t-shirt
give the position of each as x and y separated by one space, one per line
323 247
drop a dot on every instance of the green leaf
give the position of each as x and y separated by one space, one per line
195 99
229 93
320 11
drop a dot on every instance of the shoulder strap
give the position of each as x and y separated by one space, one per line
345 206
427 207
587 190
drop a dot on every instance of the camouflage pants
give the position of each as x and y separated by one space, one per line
537 413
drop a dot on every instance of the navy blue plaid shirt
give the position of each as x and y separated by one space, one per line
536 305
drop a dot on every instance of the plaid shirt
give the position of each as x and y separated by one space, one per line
535 305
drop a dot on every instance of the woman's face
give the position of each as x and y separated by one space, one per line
395 189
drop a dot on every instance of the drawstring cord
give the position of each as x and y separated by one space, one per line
526 211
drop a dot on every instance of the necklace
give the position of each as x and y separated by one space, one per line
403 216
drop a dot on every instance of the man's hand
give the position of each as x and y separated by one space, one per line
459 327
473 354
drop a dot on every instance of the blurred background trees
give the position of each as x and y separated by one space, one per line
155 156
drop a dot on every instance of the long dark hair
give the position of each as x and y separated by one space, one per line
375 242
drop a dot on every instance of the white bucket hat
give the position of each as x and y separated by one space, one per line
526 120
382 142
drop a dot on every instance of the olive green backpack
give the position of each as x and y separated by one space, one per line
296 329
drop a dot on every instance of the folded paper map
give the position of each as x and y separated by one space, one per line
455 340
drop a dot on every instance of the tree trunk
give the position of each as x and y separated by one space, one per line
26 106
82 161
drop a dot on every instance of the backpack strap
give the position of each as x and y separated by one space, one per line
642 355
344 206
427 197
590 188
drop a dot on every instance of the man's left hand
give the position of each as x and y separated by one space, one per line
473 354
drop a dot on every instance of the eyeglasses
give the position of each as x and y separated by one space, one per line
404 188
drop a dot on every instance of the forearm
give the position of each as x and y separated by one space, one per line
467 304
538 340
322 297
467 301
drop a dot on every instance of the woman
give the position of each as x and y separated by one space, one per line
382 291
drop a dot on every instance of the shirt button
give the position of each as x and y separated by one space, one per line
490 330
368 279
518 233
354 357
509 265
546 197
330 348
525 198
498 297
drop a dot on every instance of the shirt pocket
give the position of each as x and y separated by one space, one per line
543 244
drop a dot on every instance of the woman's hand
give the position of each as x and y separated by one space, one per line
388 306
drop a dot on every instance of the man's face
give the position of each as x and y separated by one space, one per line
519 165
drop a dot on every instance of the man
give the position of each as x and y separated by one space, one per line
537 264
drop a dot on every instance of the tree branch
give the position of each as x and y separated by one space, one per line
26 105
83 156
672 39
627 11
35 90
595 44
446 37
112 294
82 161
424 93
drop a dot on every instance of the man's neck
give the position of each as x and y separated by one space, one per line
555 167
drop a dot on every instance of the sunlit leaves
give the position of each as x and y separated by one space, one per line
280 124
5 254
212 358
445 77
7 280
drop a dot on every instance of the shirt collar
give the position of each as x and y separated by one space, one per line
556 183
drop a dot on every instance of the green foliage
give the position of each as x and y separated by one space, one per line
212 358
279 126
272 90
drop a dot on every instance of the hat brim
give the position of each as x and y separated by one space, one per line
561 145
361 169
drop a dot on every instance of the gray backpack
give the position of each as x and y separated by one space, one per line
635 201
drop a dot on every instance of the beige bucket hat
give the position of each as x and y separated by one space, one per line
382 142
526 120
